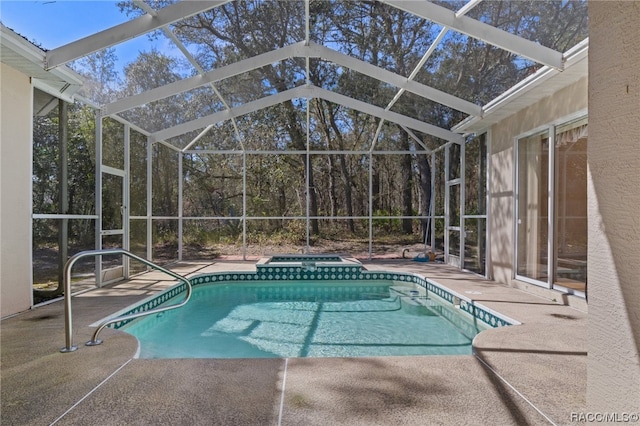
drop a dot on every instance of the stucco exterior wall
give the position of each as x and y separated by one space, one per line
613 380
562 104
15 191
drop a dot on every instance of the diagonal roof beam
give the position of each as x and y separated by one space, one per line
167 32
482 31
190 83
126 31
467 7
397 80
294 50
217 117
463 10
416 139
306 92
393 117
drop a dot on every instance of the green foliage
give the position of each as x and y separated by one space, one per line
278 185
80 173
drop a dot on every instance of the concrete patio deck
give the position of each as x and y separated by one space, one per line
531 374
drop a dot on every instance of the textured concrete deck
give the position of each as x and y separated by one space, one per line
531 374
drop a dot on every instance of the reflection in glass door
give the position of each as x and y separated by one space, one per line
532 229
570 195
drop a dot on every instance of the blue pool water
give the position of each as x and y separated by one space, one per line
305 319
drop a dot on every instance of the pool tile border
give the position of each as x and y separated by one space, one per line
488 316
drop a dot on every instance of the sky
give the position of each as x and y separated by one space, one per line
54 23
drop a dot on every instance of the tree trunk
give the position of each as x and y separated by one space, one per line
298 139
313 201
425 189
375 190
332 187
407 181
346 177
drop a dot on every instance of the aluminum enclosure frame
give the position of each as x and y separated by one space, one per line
161 19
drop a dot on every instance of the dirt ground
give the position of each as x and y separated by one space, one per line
359 250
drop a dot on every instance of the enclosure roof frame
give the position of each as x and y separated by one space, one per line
127 31
160 19
308 92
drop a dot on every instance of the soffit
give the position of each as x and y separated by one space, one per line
23 56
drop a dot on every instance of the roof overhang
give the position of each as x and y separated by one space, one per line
545 82
24 56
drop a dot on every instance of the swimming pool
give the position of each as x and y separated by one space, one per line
269 319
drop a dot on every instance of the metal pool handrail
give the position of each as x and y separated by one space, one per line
67 295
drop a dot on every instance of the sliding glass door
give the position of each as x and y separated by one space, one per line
551 207
570 201
532 221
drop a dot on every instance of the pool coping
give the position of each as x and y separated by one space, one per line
283 273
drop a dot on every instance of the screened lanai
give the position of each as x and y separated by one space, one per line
263 127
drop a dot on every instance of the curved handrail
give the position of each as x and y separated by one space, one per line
67 295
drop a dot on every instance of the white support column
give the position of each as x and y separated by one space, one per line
461 204
308 166
126 201
551 225
371 203
244 205
432 205
446 203
180 204
98 199
489 176
149 199
63 173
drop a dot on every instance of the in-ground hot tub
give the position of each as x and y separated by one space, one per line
309 263
308 267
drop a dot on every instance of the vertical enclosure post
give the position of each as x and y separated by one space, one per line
370 205
446 203
487 209
98 199
149 199
432 203
308 166
461 203
180 203
126 199
63 175
244 204
551 223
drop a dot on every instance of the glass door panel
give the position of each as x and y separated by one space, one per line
532 207
571 209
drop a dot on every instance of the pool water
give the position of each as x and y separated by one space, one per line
304 319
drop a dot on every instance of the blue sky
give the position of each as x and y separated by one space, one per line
52 24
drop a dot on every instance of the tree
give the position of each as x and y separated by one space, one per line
373 32
101 78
